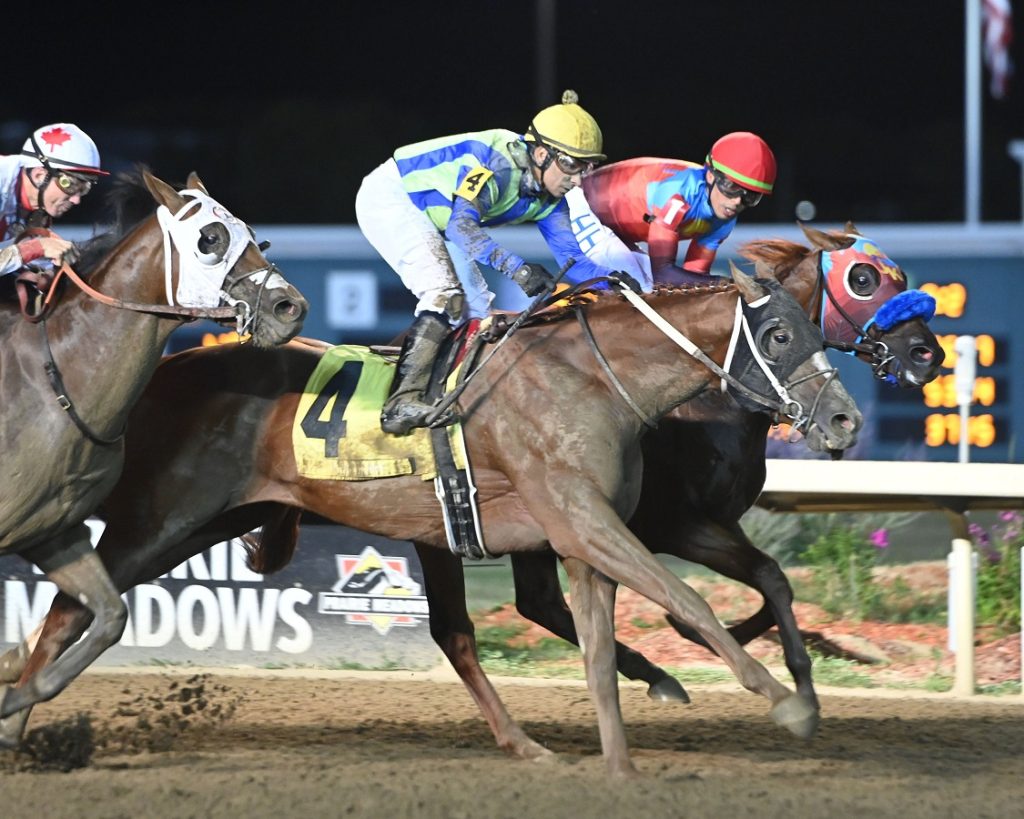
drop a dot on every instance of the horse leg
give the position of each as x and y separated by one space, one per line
131 556
592 599
600 538
728 551
539 598
14 660
453 631
66 621
77 571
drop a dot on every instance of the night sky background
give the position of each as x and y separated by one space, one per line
283 112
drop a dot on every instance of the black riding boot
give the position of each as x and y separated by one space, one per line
405 408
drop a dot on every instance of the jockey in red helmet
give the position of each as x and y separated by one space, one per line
665 201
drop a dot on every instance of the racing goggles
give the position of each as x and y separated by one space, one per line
730 190
72 185
571 166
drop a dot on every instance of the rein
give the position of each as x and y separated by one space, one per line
189 313
540 301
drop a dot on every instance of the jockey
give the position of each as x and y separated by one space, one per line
449 189
57 166
665 201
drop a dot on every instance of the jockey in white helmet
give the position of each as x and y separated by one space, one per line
57 166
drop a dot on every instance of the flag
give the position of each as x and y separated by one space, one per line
997 28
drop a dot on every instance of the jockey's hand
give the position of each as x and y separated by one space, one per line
534 279
58 250
628 281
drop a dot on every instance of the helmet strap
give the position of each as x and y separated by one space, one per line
41 188
542 166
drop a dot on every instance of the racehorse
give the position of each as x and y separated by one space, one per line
704 465
70 377
553 439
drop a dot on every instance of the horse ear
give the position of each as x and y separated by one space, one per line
763 270
852 228
163 193
196 183
749 289
825 241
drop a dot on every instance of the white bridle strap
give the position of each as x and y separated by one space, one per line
652 316
776 384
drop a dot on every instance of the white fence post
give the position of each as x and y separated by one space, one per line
961 562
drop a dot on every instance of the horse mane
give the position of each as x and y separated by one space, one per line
126 202
566 307
783 255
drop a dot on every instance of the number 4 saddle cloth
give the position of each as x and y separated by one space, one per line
336 433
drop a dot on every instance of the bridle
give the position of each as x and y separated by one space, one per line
246 316
876 349
782 404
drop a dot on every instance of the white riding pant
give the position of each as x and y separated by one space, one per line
432 269
602 246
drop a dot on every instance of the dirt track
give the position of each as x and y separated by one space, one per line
347 745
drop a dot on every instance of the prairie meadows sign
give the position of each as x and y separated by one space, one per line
346 600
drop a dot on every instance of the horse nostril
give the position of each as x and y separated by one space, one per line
287 310
922 355
844 423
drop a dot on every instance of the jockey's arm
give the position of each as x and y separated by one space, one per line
663 247
51 247
465 232
557 232
10 260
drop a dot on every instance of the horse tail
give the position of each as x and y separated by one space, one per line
272 549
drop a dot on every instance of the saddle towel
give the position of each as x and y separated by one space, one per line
336 433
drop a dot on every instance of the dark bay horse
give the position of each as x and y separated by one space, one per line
70 379
555 450
704 465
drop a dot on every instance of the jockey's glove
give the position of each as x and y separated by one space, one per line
534 279
628 281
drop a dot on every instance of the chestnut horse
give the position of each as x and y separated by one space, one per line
70 378
555 450
704 465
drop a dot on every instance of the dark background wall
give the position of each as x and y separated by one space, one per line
283 111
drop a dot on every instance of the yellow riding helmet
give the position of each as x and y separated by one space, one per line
568 128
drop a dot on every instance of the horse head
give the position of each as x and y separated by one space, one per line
220 264
860 297
783 354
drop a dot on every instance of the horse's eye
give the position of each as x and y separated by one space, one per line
212 242
781 337
863 280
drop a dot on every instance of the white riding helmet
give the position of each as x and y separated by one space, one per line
64 147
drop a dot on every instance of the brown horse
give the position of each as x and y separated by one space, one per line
704 465
70 380
556 458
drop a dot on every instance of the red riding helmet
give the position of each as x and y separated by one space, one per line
746 159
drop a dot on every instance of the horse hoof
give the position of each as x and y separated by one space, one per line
668 689
12 729
796 715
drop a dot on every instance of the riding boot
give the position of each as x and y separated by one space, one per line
405 408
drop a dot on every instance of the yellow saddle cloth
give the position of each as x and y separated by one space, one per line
336 433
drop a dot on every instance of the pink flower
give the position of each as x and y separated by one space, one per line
879 538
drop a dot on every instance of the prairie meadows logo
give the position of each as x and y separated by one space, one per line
374 590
